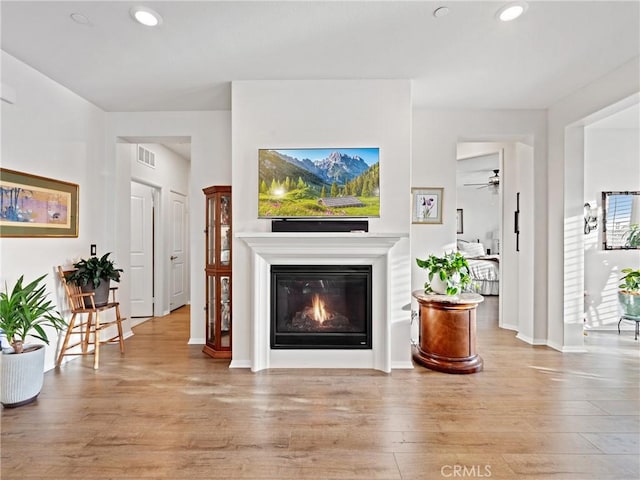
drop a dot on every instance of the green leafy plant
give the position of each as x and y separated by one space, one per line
26 311
452 268
631 281
632 236
94 270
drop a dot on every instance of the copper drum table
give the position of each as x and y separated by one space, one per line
448 332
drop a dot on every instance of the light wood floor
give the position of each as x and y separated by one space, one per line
164 410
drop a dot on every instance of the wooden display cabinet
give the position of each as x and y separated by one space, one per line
218 271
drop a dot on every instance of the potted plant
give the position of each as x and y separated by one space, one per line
448 275
94 275
629 293
632 236
25 311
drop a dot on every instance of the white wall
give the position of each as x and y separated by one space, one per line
210 134
171 174
611 164
281 114
436 133
52 132
565 282
480 214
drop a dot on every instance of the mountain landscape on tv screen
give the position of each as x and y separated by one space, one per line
339 184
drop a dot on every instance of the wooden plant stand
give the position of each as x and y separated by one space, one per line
448 333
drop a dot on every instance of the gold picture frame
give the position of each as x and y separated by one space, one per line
426 205
34 206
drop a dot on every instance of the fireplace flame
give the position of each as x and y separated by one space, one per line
319 311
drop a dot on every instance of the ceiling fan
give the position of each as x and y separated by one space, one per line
493 182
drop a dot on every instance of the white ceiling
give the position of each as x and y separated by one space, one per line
464 60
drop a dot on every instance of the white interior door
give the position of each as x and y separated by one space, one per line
178 247
141 250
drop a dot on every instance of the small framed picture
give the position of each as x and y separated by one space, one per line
459 221
426 205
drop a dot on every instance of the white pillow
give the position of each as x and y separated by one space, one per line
471 249
461 244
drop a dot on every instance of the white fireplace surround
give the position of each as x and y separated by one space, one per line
320 249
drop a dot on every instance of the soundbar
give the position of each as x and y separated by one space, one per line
319 225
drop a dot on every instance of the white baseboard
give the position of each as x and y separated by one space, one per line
134 322
508 326
531 340
403 365
624 327
196 341
565 349
240 364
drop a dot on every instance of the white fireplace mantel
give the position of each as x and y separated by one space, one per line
320 248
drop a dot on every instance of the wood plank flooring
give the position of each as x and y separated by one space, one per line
165 410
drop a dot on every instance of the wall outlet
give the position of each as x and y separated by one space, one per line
93 249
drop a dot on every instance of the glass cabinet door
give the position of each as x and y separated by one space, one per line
211 309
211 226
225 230
225 311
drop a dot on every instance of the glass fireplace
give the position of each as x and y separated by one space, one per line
321 306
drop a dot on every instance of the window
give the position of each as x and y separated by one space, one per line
621 219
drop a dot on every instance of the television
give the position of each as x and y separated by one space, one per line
319 182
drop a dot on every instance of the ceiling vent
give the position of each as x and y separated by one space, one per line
147 157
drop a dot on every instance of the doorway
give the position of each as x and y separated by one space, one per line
615 136
158 244
479 187
510 241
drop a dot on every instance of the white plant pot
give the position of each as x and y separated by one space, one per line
440 286
21 376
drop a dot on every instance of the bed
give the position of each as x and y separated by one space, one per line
483 269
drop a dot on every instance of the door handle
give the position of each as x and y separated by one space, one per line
173 257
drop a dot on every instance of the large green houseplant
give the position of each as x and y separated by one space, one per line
25 311
448 275
94 275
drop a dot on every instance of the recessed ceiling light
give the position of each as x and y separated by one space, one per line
146 16
511 11
441 12
79 19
